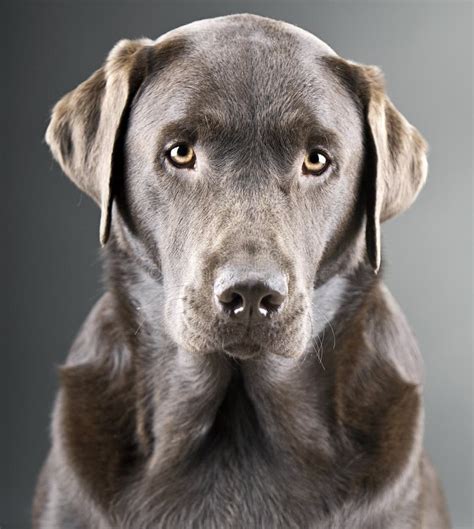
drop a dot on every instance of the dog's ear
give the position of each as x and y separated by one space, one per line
396 165
87 124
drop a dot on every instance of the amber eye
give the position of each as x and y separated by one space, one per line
182 155
315 163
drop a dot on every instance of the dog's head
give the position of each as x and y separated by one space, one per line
248 163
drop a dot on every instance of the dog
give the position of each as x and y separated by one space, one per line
246 367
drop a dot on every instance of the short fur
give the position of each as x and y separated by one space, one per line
172 414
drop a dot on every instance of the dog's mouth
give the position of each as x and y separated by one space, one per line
246 343
236 342
254 340
251 340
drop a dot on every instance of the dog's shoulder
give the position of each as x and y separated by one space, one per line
378 388
95 420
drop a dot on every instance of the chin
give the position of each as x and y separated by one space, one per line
243 351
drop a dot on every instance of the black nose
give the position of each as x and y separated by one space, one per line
248 294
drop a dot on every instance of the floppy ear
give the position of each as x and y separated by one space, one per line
87 124
398 165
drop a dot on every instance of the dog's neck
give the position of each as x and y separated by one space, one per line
189 400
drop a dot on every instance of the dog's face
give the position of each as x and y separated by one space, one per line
243 165
250 156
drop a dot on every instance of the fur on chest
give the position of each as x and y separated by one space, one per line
247 468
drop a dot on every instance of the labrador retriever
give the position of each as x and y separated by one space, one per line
246 367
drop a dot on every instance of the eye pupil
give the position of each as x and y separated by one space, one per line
182 150
315 157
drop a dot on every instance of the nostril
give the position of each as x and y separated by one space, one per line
231 302
270 304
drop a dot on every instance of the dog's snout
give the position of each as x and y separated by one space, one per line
247 294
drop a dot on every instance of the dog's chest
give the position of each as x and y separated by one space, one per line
227 488
231 490
235 477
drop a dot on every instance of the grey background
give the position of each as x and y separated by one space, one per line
50 264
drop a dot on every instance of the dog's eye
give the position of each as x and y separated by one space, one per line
315 163
182 155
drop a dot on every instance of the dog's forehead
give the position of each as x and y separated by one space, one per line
247 72
260 52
